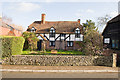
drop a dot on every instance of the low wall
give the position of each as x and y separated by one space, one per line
59 60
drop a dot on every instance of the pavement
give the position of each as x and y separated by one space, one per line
29 71
30 68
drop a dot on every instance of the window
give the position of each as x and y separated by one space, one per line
77 33
33 29
63 35
52 32
107 40
52 43
115 43
69 43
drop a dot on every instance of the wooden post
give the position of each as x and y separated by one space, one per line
114 59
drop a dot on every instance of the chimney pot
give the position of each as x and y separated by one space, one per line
79 21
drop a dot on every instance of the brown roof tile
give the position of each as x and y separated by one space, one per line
60 26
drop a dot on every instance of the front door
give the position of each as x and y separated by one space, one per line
39 44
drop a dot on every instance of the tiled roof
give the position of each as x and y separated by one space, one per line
3 24
117 18
60 26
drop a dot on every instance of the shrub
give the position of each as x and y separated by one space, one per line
11 45
93 40
30 41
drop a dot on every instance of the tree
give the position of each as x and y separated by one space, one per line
92 39
89 24
30 41
8 20
101 21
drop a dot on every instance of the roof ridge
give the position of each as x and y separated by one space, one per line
56 21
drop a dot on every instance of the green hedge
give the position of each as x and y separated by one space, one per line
10 45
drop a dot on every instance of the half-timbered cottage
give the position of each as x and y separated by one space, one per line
61 35
111 33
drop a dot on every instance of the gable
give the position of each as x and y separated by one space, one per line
113 26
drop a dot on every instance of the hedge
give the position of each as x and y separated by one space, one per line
11 45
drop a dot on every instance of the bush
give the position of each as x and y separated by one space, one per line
93 40
30 41
11 45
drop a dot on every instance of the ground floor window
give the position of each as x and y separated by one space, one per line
52 43
115 43
69 43
107 40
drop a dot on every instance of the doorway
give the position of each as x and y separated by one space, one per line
39 45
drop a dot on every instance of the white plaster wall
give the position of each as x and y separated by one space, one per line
72 37
39 37
47 35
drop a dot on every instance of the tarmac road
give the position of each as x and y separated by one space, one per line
57 75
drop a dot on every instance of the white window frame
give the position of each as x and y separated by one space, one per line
69 43
77 33
52 32
52 44
107 40
33 29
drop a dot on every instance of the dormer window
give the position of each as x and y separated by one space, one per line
52 32
77 33
33 29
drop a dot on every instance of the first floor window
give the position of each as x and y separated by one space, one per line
33 29
69 43
52 43
52 34
115 43
77 35
62 35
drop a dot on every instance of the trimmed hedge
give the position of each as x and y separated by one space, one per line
11 45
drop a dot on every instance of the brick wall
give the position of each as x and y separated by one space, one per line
6 32
62 45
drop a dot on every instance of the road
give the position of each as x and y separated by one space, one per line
57 75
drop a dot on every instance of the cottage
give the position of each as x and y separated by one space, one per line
111 33
61 35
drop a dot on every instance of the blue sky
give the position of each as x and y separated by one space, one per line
24 13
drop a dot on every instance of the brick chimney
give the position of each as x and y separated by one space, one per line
43 19
79 21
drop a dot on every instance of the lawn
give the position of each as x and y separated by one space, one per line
59 52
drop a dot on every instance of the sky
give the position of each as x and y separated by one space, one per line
24 13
